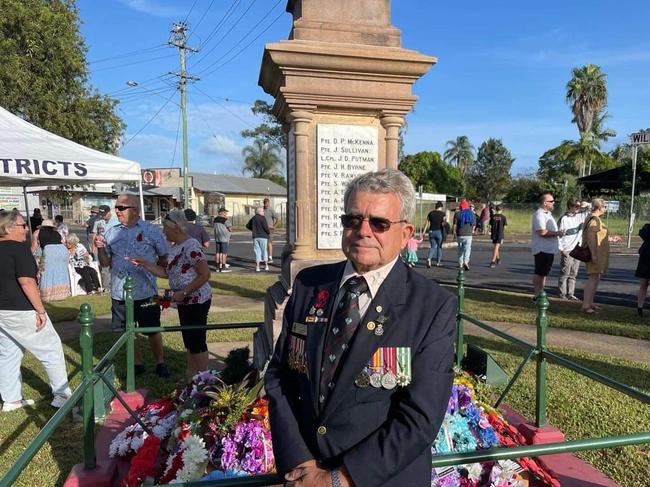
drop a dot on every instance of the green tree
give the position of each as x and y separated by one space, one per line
270 130
261 159
44 74
587 95
490 174
416 167
460 152
570 156
427 169
556 162
524 189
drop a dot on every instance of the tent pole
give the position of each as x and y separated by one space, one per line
27 220
141 198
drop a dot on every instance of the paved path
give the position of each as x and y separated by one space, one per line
614 346
622 347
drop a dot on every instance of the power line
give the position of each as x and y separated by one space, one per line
196 26
166 56
250 5
178 130
139 95
191 8
145 83
221 22
223 106
243 38
130 53
150 120
246 46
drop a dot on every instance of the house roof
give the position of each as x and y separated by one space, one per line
223 183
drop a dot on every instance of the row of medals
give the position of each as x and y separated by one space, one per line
376 377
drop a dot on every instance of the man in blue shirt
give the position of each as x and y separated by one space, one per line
134 237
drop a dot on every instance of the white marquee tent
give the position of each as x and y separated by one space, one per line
31 156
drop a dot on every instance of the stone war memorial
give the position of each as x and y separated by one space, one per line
343 85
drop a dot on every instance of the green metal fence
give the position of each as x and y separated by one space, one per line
538 351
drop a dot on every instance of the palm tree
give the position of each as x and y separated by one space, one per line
599 133
587 95
461 153
261 159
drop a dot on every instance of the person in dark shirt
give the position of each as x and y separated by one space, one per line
24 324
435 225
35 220
497 229
194 230
260 230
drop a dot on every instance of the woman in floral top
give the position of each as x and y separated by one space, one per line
188 273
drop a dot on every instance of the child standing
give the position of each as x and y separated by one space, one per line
412 251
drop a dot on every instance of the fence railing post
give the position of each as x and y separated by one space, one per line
130 327
460 334
540 383
86 319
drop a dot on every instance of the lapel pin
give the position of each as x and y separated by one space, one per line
379 309
371 326
379 331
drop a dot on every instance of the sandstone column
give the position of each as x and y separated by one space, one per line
342 85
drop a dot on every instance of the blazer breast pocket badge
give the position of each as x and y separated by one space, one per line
297 354
388 368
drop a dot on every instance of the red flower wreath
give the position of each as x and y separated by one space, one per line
143 464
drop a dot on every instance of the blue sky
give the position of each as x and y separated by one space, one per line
502 71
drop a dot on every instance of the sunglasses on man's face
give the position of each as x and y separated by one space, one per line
377 224
123 207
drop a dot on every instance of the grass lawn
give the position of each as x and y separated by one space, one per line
583 408
512 307
519 221
53 462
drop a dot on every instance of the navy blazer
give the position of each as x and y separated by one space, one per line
382 437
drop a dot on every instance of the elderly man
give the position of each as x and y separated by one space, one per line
361 374
134 237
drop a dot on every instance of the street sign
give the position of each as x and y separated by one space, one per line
612 206
640 138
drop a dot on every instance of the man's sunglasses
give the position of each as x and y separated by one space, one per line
377 224
123 207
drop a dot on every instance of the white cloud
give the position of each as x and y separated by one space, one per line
154 7
220 144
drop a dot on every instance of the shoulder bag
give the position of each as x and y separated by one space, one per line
582 252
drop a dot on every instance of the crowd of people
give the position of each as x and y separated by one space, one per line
580 226
465 223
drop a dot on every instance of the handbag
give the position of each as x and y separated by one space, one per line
582 252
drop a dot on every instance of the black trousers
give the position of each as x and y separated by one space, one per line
89 278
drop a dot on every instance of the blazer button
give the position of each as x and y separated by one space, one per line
321 430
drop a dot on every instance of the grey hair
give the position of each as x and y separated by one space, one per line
132 200
7 220
597 204
259 210
178 217
73 239
385 181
